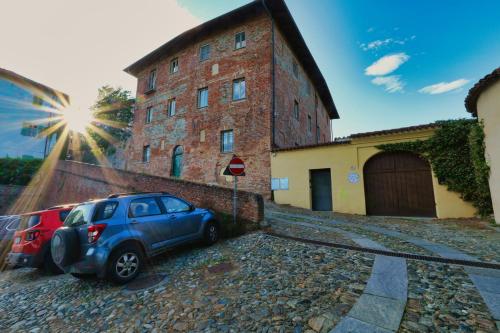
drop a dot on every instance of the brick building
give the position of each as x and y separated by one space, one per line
242 83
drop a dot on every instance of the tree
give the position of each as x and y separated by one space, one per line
113 115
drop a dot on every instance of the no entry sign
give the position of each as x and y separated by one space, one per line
236 166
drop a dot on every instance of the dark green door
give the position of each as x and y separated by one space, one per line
177 161
321 189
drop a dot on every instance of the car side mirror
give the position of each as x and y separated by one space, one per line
191 208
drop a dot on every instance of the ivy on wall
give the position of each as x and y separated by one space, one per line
456 154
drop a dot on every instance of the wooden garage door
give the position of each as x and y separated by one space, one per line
399 184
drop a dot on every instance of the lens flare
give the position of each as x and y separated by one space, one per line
77 120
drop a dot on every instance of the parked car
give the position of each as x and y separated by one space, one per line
8 226
31 246
112 237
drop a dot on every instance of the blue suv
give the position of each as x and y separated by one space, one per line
112 237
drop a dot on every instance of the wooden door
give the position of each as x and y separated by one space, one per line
399 184
321 189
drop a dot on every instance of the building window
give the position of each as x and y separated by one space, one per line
202 97
171 107
177 161
37 100
296 110
205 52
226 141
295 69
149 114
152 80
174 65
239 40
309 123
239 89
146 154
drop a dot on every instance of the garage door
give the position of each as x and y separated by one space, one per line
399 184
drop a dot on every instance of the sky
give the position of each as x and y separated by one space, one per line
388 63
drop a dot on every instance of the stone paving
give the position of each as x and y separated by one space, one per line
275 286
486 281
260 283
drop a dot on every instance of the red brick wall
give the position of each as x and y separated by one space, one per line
77 182
288 130
249 118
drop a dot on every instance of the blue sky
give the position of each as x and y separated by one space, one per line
429 54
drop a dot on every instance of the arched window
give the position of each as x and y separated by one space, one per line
177 161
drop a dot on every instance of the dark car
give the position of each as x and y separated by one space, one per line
112 237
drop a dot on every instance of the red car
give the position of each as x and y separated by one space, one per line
31 245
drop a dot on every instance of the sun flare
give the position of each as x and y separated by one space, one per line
77 120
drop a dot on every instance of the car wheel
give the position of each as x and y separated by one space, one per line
65 247
211 234
125 264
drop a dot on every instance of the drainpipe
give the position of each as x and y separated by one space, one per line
273 98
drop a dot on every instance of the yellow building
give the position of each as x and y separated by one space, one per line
483 101
352 176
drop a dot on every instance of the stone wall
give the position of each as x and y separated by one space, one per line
8 195
77 182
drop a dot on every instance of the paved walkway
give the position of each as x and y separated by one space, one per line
486 281
382 304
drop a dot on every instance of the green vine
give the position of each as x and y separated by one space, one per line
456 153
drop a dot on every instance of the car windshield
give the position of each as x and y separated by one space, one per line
79 215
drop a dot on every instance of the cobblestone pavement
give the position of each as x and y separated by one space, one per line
472 236
253 283
441 297
273 285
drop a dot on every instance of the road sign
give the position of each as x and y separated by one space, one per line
236 166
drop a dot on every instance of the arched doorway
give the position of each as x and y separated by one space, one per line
177 161
399 184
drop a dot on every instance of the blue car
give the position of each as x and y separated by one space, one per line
112 237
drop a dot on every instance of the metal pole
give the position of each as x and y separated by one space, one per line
235 198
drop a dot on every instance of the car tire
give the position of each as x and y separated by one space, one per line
125 263
65 247
49 266
211 233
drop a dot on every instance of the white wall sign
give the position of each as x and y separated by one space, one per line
279 184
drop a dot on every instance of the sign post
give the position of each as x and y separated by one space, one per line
236 168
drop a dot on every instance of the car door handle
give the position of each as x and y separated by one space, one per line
134 222
172 217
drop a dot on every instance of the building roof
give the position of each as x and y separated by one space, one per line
33 86
348 139
284 21
479 87
396 130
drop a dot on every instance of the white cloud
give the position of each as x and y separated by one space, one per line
376 44
391 83
79 47
442 87
387 64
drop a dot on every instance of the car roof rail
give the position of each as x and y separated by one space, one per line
117 195
61 206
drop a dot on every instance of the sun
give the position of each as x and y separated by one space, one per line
77 120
